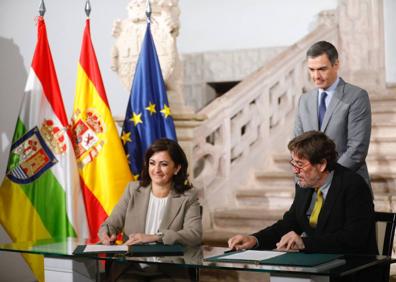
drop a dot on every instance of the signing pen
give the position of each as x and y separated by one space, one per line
109 234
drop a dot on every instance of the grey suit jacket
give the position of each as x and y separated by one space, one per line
181 222
347 122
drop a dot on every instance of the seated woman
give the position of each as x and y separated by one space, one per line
162 207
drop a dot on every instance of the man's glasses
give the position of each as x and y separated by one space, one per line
298 166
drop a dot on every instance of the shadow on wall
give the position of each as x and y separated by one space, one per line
13 76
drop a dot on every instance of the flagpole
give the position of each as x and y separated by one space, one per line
148 11
42 8
87 8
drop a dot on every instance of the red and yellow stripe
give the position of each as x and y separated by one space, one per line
104 178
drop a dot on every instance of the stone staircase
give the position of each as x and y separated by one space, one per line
271 193
381 158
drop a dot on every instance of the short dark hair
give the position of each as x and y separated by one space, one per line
315 146
323 47
180 180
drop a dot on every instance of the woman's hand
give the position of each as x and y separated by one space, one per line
141 238
108 240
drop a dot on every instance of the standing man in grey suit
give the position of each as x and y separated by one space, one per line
337 108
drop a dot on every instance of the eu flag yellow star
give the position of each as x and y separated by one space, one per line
126 137
136 118
151 108
166 111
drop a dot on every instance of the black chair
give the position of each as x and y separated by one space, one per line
385 228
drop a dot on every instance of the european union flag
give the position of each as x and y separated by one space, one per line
148 116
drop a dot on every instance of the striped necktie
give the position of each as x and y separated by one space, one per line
313 219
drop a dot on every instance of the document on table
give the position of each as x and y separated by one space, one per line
253 255
276 258
105 248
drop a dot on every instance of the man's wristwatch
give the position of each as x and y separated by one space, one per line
160 236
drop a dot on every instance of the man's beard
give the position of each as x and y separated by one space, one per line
308 185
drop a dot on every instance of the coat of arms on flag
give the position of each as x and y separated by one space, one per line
86 140
34 153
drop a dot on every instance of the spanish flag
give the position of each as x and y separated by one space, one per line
103 166
40 197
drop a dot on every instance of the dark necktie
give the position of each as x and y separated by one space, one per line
322 108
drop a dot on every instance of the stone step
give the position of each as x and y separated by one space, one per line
273 179
270 198
382 102
381 157
384 108
245 220
383 203
383 114
383 129
388 107
281 161
393 203
382 145
383 183
381 163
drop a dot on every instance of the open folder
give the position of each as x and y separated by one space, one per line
133 250
276 258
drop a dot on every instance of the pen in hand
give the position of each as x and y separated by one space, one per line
109 234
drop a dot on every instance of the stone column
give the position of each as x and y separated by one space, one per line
129 33
361 32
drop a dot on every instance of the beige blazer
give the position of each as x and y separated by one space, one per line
181 222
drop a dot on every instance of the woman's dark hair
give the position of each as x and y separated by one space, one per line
180 180
315 147
323 47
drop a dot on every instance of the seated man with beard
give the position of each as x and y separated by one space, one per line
332 210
